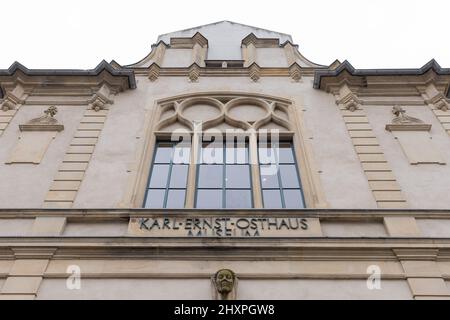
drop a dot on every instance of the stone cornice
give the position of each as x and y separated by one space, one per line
370 78
126 214
189 42
223 72
119 79
261 42
315 249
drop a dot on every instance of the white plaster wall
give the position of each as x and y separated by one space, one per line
177 58
15 227
105 229
194 289
424 185
106 179
306 289
25 185
353 229
434 228
127 289
271 57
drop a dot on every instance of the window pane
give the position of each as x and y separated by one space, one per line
238 199
163 153
182 154
155 198
293 199
178 176
237 176
285 153
289 178
237 154
269 178
272 199
212 153
159 176
266 154
210 176
175 199
209 199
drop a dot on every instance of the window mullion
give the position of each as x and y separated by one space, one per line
192 171
255 171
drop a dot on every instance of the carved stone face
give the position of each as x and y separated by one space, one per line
224 281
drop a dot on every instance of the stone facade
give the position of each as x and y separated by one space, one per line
371 147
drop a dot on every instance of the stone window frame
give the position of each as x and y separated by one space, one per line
311 186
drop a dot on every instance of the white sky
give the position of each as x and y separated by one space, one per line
80 33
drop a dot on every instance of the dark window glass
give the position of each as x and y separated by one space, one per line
293 198
280 181
269 178
285 154
237 176
160 173
223 177
272 199
178 176
209 199
168 179
210 176
164 153
237 199
289 177
155 198
175 199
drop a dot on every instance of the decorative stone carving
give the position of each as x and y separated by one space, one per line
153 72
403 122
351 103
295 72
254 72
101 98
45 123
12 98
224 281
401 117
225 111
442 104
348 99
194 73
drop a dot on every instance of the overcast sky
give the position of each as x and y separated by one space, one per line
80 33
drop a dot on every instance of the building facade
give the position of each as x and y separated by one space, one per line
225 165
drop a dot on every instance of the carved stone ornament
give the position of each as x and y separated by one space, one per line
254 72
295 72
10 101
153 72
442 104
403 122
101 98
224 282
45 123
194 73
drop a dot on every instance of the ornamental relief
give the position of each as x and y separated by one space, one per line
224 112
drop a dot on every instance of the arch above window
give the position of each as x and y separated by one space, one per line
224 111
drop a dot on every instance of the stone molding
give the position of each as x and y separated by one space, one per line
382 182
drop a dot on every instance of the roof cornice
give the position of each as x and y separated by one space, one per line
321 75
103 66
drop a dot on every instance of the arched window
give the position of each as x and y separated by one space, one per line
225 151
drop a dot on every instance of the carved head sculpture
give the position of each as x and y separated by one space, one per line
224 280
